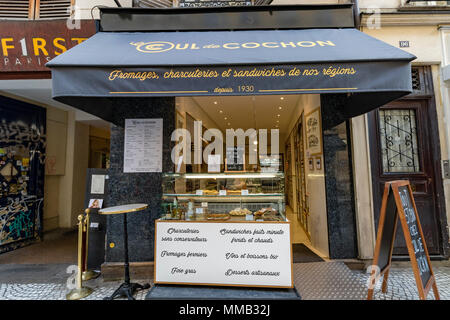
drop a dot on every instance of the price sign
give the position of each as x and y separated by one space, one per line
243 254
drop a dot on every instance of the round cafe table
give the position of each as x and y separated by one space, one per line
126 289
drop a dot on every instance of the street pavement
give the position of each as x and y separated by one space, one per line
314 281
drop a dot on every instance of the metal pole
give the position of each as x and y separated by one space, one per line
125 244
79 292
87 274
356 14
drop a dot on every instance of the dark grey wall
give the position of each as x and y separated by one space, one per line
126 188
342 235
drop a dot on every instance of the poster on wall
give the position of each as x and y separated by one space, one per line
95 203
313 132
143 145
98 184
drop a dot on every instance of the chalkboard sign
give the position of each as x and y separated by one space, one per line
96 189
398 204
388 235
235 160
415 236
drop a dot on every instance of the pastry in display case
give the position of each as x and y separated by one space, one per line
257 196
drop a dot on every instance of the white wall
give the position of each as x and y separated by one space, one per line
54 165
73 183
189 105
429 45
315 182
83 7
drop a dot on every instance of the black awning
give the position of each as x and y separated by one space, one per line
252 62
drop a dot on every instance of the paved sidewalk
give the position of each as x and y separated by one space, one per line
314 281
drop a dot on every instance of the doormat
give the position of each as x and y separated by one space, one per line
302 254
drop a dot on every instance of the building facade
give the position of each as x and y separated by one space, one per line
338 222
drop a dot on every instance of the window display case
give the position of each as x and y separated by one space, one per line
255 196
218 225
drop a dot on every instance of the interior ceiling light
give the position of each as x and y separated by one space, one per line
278 115
215 102
220 111
280 108
282 98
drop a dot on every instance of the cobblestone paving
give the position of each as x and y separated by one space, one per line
402 285
314 281
53 291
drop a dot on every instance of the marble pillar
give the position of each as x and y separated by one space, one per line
127 188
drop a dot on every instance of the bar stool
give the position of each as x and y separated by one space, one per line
126 289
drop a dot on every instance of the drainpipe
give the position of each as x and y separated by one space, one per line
356 14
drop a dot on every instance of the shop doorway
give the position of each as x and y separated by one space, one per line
257 112
404 142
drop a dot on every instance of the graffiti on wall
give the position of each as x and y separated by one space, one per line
22 160
23 137
18 220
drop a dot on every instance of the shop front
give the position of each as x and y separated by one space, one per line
204 103
33 133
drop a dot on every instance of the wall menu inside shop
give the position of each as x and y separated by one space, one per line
143 145
209 253
235 159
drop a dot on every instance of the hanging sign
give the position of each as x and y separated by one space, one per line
398 203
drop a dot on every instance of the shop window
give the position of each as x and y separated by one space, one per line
421 84
416 82
422 3
17 9
52 9
35 9
398 140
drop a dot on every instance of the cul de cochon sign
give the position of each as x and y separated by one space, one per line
26 46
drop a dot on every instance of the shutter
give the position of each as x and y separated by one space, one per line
155 4
17 9
262 2
52 9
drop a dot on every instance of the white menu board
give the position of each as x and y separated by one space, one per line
143 145
224 253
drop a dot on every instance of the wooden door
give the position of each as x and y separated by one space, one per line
404 146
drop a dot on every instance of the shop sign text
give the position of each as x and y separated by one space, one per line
28 46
